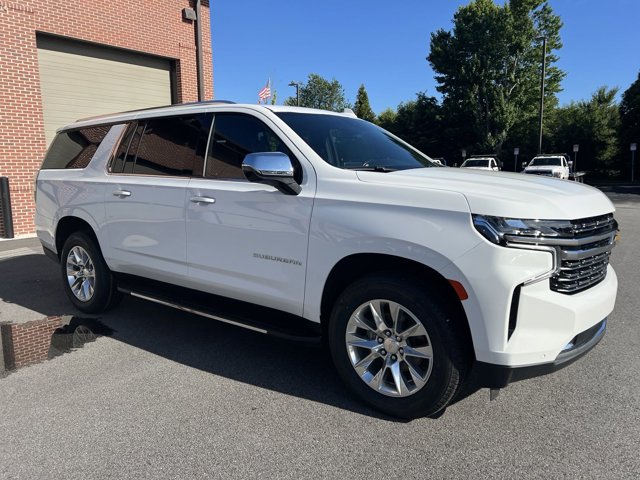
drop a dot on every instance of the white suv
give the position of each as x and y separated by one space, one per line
312 224
552 165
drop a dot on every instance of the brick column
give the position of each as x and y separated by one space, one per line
22 142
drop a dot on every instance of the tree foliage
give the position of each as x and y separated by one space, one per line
418 123
488 68
593 125
321 93
386 119
362 108
630 115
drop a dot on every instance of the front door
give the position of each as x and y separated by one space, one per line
246 240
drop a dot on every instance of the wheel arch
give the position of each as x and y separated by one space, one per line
67 226
356 266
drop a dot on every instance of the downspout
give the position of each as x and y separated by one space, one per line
199 52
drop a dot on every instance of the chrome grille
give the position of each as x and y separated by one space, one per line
581 251
584 264
578 275
546 173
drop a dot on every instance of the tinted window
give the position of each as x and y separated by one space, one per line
351 143
121 155
476 163
545 162
172 146
236 135
74 148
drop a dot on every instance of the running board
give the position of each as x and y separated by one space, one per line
197 312
232 312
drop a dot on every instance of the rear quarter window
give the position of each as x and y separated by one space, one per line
74 148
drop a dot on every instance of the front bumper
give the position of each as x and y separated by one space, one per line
498 376
531 328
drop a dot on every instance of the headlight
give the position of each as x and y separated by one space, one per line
500 230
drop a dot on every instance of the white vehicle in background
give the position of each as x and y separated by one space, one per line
316 225
550 165
482 163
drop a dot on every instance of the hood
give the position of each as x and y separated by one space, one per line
504 194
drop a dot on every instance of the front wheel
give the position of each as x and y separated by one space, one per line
395 345
87 280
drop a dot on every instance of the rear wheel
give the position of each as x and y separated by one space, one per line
87 280
396 345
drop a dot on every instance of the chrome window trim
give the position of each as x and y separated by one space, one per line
206 151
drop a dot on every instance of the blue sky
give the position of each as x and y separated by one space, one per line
384 45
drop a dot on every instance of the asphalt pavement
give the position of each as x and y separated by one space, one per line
163 394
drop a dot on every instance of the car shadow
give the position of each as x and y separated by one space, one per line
288 367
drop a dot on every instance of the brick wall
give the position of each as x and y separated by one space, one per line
148 26
27 343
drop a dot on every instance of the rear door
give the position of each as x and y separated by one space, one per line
146 191
247 240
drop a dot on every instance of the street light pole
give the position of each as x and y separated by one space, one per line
633 148
297 85
542 78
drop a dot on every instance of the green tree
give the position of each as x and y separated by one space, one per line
629 124
592 124
417 122
320 93
362 108
488 69
387 119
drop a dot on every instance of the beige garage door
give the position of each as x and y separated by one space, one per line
79 80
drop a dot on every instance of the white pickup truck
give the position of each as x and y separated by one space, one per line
315 225
549 165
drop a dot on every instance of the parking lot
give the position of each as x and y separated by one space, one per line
163 394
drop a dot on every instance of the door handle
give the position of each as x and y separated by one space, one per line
203 200
122 193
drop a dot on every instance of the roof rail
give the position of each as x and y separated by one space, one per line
205 102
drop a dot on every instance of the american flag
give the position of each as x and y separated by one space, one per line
265 92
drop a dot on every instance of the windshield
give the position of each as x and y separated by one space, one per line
545 162
476 163
354 144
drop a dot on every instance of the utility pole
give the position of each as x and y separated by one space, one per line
516 152
633 148
297 85
542 78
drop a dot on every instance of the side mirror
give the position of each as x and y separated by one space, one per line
271 168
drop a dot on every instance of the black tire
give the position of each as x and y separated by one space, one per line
450 361
105 294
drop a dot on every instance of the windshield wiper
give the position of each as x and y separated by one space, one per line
373 169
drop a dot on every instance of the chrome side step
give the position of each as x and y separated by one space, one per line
246 315
197 312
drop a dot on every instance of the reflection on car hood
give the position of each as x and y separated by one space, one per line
503 194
